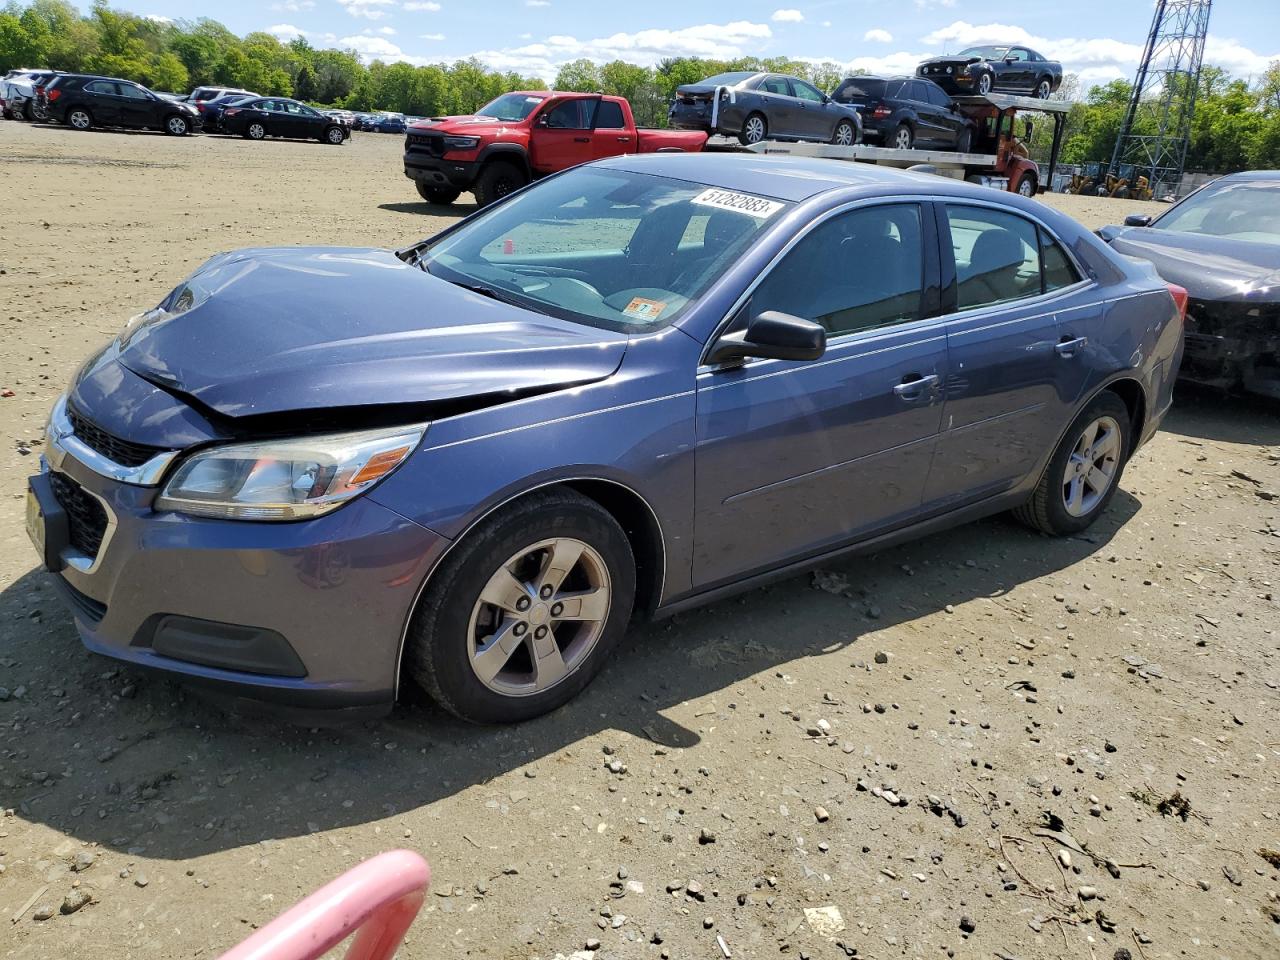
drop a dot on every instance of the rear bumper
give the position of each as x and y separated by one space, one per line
683 116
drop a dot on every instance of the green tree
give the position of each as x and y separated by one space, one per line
581 76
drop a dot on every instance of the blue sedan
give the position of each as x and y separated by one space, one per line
310 475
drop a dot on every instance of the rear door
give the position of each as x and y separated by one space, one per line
930 130
103 99
611 136
564 134
1012 380
794 458
779 105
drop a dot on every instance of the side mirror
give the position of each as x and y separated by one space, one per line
775 336
1010 59
1137 220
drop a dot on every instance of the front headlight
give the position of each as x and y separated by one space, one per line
461 143
286 479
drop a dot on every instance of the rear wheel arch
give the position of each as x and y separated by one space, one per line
1130 391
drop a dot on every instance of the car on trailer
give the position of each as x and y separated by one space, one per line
754 107
906 112
1003 68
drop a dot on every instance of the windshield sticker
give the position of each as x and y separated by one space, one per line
757 207
643 309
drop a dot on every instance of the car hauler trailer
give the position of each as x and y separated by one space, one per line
997 162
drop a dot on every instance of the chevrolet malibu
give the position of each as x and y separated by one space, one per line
308 476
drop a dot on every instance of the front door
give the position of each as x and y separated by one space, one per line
563 135
137 109
794 458
815 121
1014 374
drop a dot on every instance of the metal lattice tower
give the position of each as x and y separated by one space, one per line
1157 123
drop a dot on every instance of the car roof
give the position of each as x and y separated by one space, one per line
1252 175
786 178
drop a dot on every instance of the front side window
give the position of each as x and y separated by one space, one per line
132 92
1017 53
608 248
806 92
995 254
571 115
857 271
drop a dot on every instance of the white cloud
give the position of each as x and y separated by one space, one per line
878 36
294 6
537 3
287 31
787 16
430 6
368 9
385 31
156 18
927 4
431 36
721 41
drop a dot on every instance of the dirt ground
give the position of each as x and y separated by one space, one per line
1120 687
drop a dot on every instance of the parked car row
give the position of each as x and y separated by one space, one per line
85 102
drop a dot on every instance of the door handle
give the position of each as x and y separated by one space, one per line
624 139
913 387
581 139
1067 348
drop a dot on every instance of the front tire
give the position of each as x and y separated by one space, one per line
985 83
1027 185
496 180
335 136
754 129
1084 472
437 195
177 126
524 611
844 135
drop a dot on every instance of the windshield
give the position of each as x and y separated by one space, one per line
623 251
1235 210
862 88
986 53
727 79
510 106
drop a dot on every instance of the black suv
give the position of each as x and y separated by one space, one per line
83 102
905 112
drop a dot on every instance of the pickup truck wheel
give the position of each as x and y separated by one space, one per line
496 180
441 195
755 129
844 135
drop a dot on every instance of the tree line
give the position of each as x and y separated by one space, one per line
1236 125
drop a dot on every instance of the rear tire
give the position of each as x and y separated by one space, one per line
496 180
903 137
442 196
1095 446
965 143
456 622
754 129
29 111
1044 88
255 131
79 119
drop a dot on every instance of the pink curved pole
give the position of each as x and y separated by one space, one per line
377 900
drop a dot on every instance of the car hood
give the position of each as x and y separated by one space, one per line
949 61
469 126
271 331
1211 268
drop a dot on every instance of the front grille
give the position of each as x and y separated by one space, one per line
86 517
113 448
431 144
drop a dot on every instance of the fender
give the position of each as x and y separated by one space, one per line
506 151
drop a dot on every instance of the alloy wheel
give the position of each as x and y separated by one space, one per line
177 126
984 84
1043 91
902 139
257 131
79 119
844 135
1026 187
755 130
335 135
1092 466
539 617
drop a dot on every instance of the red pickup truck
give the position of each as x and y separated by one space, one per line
522 136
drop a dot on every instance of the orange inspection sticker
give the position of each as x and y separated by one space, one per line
643 309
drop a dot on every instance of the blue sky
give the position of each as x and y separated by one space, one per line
1098 39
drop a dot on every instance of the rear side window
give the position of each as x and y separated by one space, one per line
572 115
1059 271
103 86
857 271
609 115
996 255
776 85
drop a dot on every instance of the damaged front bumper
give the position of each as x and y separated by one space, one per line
1233 346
